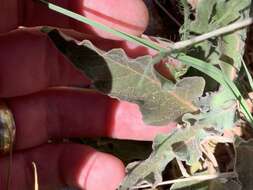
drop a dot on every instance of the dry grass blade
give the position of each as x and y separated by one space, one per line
36 182
226 175
167 13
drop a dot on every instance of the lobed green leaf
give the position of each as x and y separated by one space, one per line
133 80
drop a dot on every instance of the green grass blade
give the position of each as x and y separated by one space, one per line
83 19
248 74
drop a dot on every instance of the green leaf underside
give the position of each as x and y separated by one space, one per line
165 149
210 15
216 111
225 50
222 106
133 80
216 74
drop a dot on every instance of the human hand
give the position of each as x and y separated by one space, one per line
30 65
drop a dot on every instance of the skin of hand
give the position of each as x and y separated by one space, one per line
30 66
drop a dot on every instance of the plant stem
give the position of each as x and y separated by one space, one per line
218 32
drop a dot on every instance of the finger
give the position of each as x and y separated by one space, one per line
130 16
62 165
29 63
64 113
